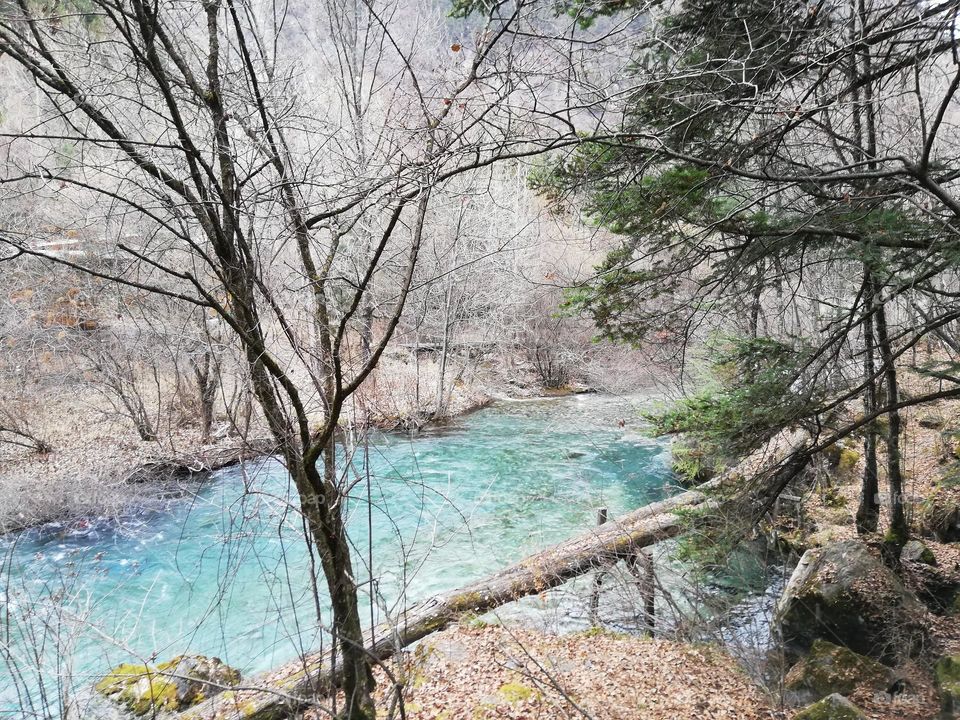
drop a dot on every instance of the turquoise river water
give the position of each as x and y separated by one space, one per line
222 569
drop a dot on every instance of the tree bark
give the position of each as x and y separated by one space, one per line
206 373
868 512
898 532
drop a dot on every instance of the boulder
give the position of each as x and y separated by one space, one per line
949 445
931 420
950 475
842 593
171 686
937 587
916 552
832 707
940 515
830 669
946 675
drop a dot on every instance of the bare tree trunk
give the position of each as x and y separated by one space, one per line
325 519
898 531
439 408
868 513
366 330
755 306
206 372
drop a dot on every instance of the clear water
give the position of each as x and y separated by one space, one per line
223 571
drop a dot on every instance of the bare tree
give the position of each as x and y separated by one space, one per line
191 123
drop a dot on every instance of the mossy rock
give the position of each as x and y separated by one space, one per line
950 445
830 669
794 540
931 420
842 459
832 707
822 537
915 551
946 676
171 686
950 476
140 688
940 515
844 593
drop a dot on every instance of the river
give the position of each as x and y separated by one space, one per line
221 568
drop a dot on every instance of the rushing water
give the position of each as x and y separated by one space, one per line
223 571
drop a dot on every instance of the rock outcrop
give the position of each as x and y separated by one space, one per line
832 707
946 675
149 690
830 669
916 552
843 594
940 515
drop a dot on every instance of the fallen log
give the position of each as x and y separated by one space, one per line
199 462
283 691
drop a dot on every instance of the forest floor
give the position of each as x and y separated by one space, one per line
481 673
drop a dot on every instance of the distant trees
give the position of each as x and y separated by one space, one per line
787 170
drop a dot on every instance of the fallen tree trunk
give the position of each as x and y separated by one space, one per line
200 462
283 691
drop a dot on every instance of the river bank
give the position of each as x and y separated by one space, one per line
98 466
585 437
820 521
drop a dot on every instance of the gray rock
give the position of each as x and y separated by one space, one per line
916 551
87 704
831 669
832 707
843 594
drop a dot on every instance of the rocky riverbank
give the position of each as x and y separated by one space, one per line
882 632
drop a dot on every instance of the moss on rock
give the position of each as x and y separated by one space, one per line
514 692
832 707
830 669
844 593
950 475
916 551
940 515
139 688
170 686
946 675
